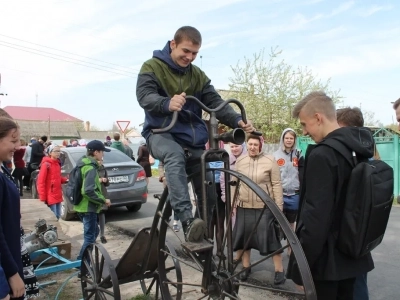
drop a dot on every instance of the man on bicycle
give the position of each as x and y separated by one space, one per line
163 83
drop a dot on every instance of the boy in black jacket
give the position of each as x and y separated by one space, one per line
327 173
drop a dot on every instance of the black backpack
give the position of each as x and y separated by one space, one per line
74 186
366 208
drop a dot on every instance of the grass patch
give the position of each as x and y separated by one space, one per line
155 173
395 200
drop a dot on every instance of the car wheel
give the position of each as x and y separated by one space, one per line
34 192
65 214
134 207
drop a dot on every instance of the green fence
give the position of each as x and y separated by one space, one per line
387 144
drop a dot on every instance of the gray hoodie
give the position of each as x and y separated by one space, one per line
288 164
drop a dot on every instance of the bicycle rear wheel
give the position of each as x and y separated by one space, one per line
211 274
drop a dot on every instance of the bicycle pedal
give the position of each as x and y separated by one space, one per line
202 246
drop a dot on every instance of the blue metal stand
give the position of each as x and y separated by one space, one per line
53 253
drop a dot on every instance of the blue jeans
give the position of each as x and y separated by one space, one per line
164 147
90 230
4 287
56 209
361 288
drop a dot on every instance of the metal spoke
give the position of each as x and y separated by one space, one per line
269 289
101 295
182 283
180 260
91 294
150 286
235 197
258 262
230 296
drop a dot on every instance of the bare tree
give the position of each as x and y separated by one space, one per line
369 119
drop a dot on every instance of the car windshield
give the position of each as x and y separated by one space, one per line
115 156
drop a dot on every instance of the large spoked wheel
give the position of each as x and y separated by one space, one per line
218 275
171 268
98 277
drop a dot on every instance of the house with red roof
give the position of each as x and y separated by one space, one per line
37 121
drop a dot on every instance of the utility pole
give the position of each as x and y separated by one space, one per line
201 61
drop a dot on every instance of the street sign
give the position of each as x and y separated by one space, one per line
123 125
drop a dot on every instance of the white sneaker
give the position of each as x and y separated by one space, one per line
176 227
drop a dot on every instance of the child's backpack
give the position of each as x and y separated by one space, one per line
367 206
74 186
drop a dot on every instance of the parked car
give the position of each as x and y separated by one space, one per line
127 179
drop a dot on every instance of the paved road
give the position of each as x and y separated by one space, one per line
382 282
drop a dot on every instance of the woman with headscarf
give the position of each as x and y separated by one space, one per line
143 159
264 171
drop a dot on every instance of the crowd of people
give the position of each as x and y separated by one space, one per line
309 189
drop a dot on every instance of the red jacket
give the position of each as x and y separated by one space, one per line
49 181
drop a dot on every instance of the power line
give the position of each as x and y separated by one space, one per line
63 56
21 40
62 79
73 62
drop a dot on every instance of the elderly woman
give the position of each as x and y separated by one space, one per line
264 171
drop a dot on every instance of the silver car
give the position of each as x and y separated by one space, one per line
127 179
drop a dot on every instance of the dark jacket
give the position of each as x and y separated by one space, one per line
19 158
129 152
143 155
49 181
118 145
323 191
37 153
103 174
10 226
159 80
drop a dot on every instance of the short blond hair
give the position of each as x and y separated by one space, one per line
316 102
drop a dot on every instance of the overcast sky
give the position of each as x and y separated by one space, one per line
355 43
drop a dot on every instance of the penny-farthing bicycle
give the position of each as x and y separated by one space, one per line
152 260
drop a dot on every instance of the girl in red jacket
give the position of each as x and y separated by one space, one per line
49 181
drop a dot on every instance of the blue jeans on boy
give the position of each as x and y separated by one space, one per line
177 165
90 230
56 209
361 288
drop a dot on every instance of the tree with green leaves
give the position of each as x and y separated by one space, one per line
269 88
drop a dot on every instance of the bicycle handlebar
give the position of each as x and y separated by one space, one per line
208 110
